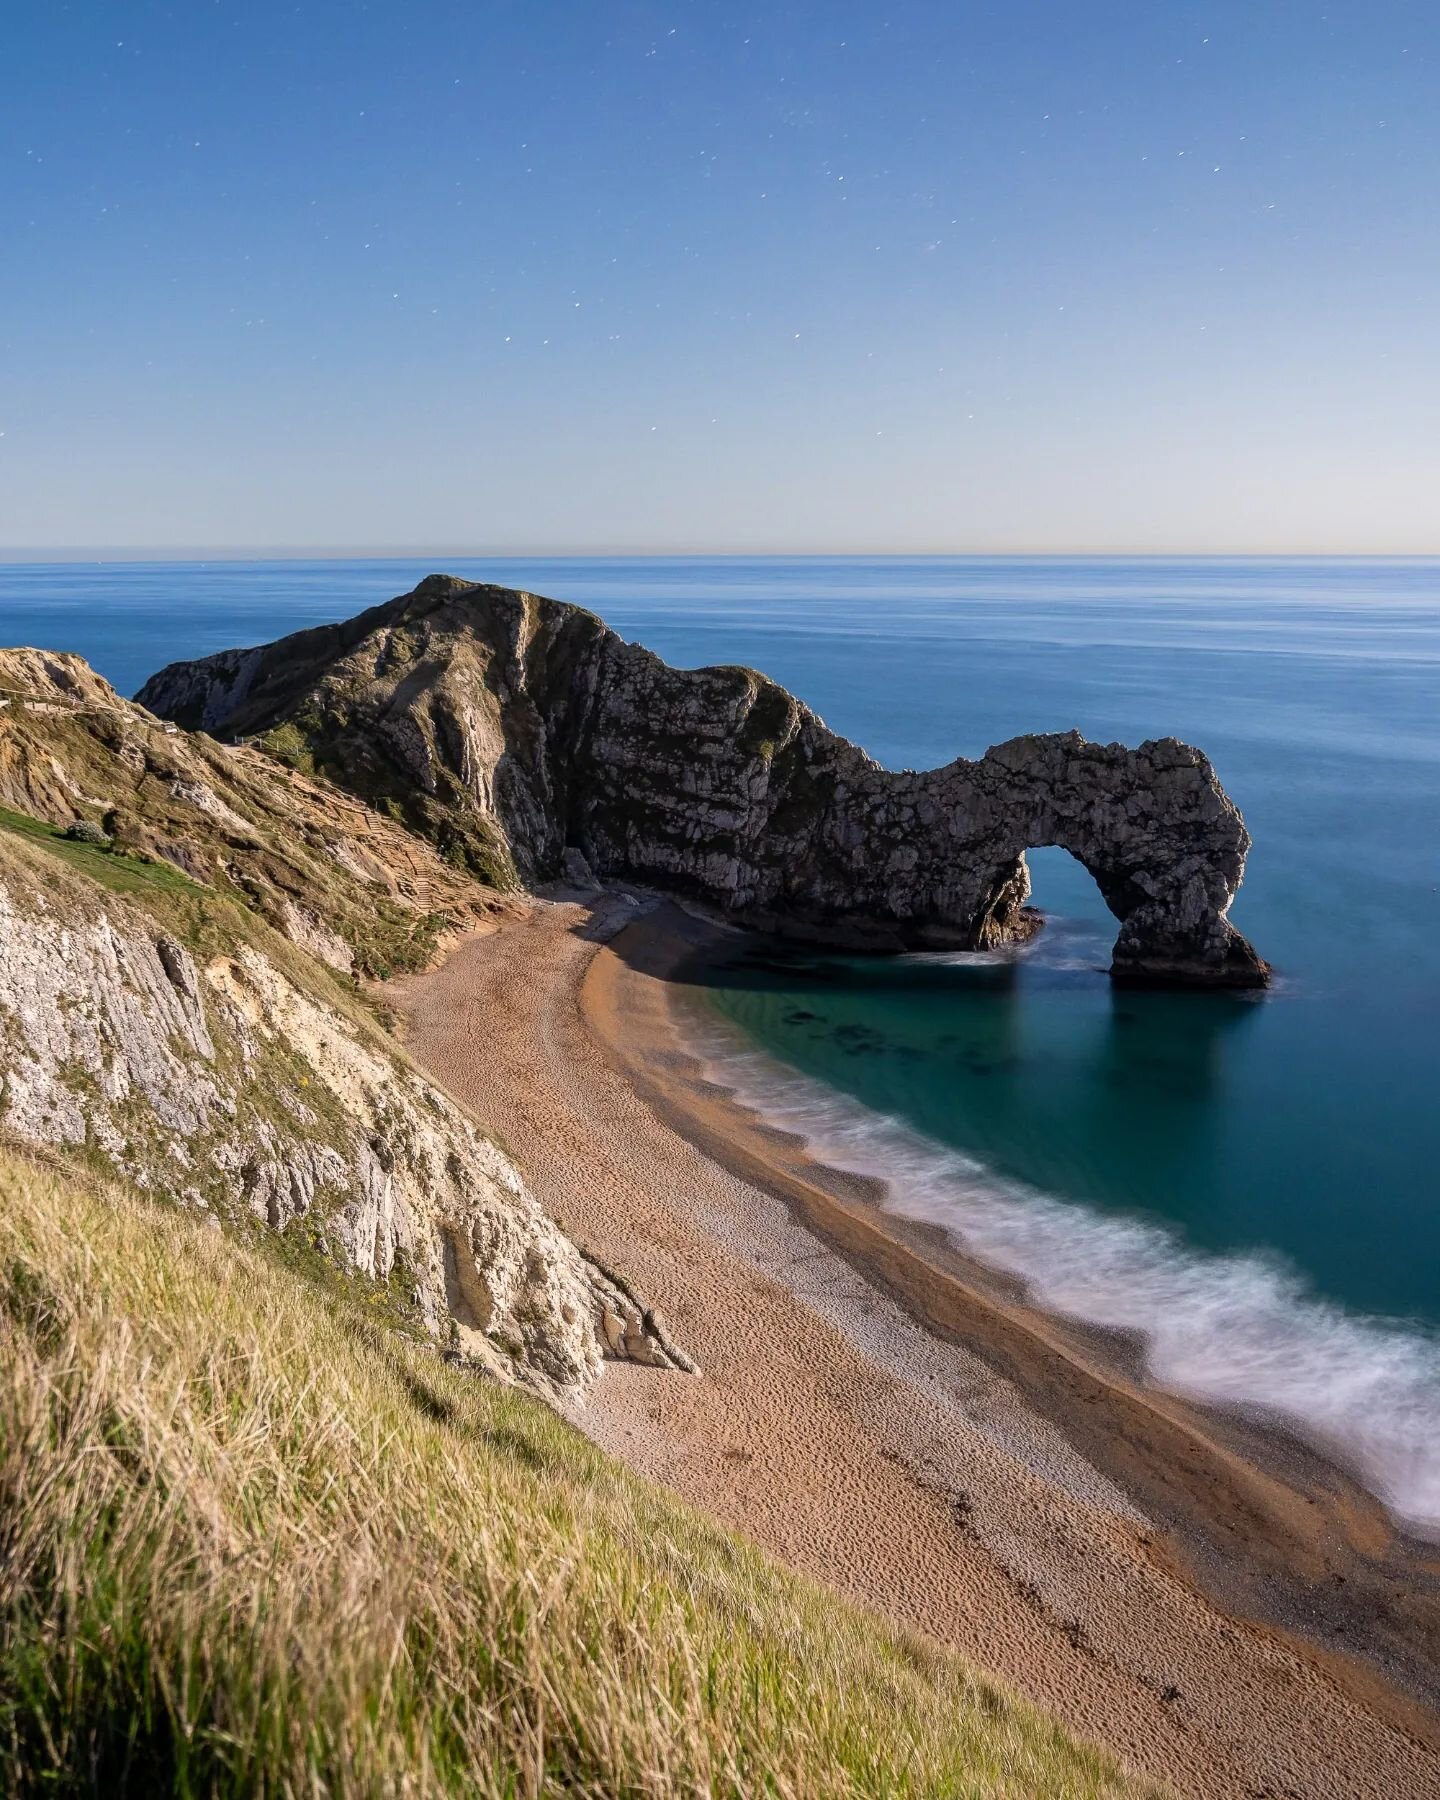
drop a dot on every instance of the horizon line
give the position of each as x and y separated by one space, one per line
22 555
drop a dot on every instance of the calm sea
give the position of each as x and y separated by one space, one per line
1250 1183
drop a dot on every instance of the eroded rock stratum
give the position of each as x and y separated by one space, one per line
177 1013
511 728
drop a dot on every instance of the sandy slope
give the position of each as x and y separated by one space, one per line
999 1498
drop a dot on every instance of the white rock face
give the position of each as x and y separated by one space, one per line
230 1087
93 1024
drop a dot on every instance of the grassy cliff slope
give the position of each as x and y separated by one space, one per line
343 880
254 1543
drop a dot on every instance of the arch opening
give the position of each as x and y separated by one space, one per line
1172 933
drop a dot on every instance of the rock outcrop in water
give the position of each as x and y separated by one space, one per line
509 728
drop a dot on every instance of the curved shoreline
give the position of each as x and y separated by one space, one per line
1278 1485
896 1420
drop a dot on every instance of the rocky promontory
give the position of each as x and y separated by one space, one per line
512 730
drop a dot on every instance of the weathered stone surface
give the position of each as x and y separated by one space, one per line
509 726
575 869
227 1083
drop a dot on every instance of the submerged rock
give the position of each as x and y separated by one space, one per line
512 729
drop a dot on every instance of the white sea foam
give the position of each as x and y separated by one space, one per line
1239 1331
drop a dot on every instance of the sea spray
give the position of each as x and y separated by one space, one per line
1241 1331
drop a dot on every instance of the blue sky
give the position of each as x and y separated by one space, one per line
632 276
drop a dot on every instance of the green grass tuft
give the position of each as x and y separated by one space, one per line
287 743
111 868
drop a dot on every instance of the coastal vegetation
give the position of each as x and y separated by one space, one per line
93 854
257 1542
141 807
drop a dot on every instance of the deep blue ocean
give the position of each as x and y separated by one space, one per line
1251 1183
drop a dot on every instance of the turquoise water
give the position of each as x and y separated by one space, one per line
1249 1183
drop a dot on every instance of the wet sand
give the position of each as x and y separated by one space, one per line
1217 1606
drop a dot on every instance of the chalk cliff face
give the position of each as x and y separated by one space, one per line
511 728
182 1032
222 1082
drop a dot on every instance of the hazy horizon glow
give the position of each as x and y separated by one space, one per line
629 278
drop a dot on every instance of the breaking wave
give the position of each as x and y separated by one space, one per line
1237 1331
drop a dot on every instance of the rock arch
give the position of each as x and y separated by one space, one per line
719 782
485 715
1164 844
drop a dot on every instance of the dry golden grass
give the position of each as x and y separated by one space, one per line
251 1543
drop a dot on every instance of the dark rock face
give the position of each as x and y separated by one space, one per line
511 728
